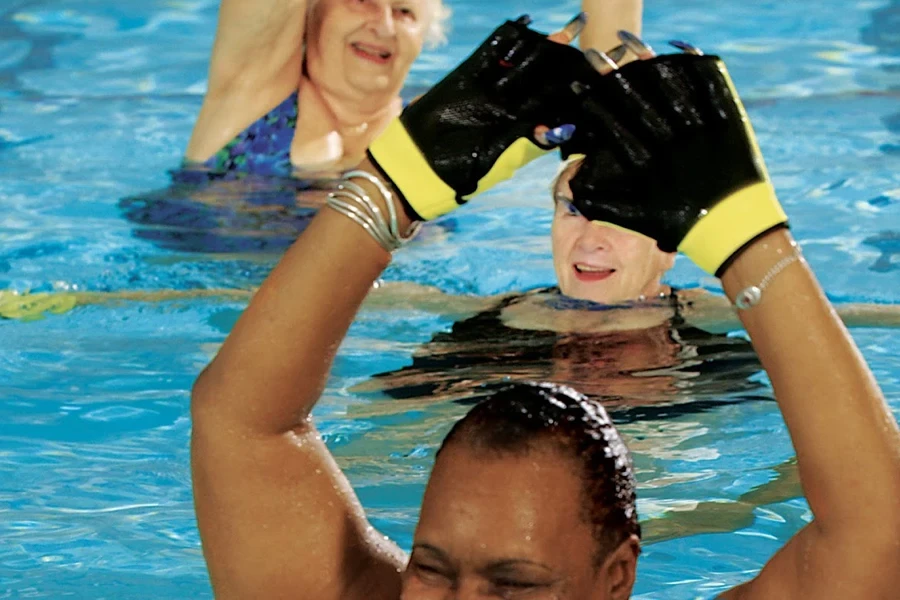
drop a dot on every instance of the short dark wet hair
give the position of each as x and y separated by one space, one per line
521 417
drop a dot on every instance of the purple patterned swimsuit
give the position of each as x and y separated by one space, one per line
256 211
264 148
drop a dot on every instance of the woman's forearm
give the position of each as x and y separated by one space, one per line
273 366
847 442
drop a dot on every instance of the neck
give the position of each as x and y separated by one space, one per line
658 290
358 112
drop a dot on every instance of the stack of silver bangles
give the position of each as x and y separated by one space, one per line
353 202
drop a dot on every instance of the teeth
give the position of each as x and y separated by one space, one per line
380 54
589 269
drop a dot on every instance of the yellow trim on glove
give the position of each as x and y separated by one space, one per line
520 153
732 223
745 120
402 161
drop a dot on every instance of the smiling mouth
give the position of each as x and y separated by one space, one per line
371 53
590 274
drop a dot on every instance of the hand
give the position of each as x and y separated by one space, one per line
670 154
479 124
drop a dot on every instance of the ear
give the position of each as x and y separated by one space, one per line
618 571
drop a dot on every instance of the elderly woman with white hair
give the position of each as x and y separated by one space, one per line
301 87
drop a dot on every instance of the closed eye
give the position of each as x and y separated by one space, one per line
515 588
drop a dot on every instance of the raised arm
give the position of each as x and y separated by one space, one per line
275 512
847 441
715 313
277 517
687 171
256 62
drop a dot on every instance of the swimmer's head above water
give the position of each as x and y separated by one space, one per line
600 262
368 46
526 448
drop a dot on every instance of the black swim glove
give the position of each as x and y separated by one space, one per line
670 153
476 126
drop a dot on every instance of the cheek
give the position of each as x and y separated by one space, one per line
558 238
412 43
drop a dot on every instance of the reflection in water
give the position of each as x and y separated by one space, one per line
888 242
230 213
884 33
199 213
659 371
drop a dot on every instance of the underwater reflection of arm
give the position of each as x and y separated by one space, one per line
403 296
725 517
409 296
714 313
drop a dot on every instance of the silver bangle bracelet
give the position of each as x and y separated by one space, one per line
752 295
353 202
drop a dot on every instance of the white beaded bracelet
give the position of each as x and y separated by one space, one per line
751 296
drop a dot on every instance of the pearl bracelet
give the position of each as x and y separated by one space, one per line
752 295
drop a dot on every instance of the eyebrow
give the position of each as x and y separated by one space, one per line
511 563
433 549
497 565
562 198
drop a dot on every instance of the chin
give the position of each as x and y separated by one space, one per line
372 84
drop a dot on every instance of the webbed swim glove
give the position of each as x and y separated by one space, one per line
670 153
476 126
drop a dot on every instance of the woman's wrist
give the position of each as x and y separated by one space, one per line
369 199
759 265
404 222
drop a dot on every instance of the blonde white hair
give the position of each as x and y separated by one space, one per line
439 26
573 161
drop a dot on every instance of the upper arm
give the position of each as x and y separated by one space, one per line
413 296
606 18
816 565
869 315
257 41
277 515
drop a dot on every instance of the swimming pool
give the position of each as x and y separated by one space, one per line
96 102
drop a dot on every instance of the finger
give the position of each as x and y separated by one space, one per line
572 29
636 45
601 61
685 47
554 137
617 53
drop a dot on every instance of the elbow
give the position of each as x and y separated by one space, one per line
203 394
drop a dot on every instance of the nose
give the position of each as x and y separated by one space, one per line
594 236
381 19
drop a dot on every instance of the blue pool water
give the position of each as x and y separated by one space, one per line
96 101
